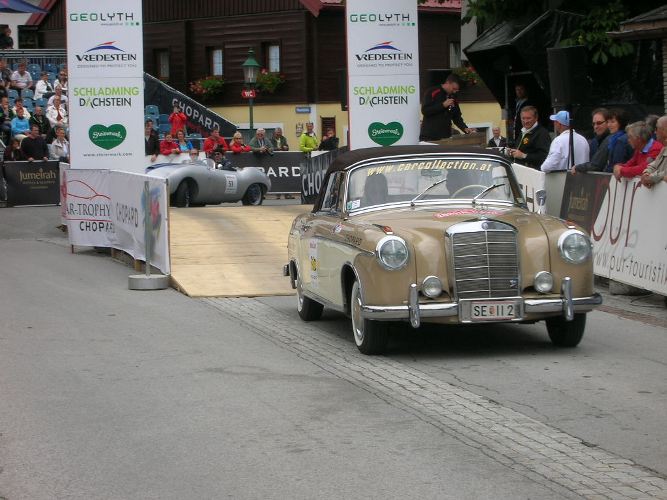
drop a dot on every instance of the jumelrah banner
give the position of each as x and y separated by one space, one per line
32 182
383 72
86 206
105 91
129 207
201 120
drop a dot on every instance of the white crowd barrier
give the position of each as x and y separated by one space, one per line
107 208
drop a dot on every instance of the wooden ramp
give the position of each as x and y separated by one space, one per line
233 251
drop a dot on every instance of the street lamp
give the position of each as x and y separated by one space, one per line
250 72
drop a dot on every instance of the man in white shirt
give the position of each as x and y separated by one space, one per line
558 158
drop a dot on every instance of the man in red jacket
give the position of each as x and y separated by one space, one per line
215 141
178 121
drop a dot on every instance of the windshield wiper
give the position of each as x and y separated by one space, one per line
412 203
487 190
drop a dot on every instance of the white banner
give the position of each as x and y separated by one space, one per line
543 191
128 211
533 186
107 208
383 72
86 206
106 89
629 240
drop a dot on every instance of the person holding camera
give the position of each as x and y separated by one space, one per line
260 144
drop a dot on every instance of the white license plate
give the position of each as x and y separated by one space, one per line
493 311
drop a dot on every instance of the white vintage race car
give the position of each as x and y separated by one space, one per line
201 183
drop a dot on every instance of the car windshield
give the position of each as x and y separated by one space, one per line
427 180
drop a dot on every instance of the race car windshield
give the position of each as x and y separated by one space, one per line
428 180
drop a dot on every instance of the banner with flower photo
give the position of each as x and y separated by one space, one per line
130 205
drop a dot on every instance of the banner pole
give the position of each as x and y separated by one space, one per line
147 281
147 228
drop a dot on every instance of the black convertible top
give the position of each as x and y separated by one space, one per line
346 160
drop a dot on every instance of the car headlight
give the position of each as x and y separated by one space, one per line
574 246
432 286
543 282
392 252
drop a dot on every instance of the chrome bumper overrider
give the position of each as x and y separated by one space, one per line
414 311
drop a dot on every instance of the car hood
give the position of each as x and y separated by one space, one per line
418 223
164 170
424 228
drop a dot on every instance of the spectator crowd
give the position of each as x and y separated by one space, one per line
33 112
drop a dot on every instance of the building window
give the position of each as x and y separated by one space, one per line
216 62
272 56
162 64
328 122
454 54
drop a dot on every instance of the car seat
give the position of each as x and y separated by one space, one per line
375 190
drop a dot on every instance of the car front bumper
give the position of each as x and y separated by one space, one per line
414 311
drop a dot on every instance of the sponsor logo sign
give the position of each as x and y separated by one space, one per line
385 134
107 137
383 73
32 183
106 88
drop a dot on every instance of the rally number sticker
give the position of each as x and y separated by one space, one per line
231 184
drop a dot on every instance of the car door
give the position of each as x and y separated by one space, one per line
325 254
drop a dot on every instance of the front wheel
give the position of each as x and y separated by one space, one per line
370 336
308 309
254 195
565 333
183 195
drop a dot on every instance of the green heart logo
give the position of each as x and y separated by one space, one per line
107 137
385 135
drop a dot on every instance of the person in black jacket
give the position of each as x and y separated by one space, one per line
34 147
497 141
151 140
522 100
440 109
534 141
329 141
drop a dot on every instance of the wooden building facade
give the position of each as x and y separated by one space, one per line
303 40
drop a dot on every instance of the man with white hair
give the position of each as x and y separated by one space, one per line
559 157
657 169
497 141
260 144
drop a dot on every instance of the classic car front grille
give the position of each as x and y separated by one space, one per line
485 262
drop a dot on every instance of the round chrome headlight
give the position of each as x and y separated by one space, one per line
574 246
392 252
543 282
432 287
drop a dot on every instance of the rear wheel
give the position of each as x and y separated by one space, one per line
308 309
370 336
254 195
183 195
565 333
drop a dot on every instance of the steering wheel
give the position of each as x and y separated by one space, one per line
471 186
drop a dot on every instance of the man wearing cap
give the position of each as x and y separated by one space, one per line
534 140
559 158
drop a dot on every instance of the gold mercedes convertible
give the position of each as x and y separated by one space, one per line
430 234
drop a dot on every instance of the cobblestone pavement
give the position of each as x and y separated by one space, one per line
566 464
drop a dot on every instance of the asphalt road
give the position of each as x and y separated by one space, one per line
111 393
